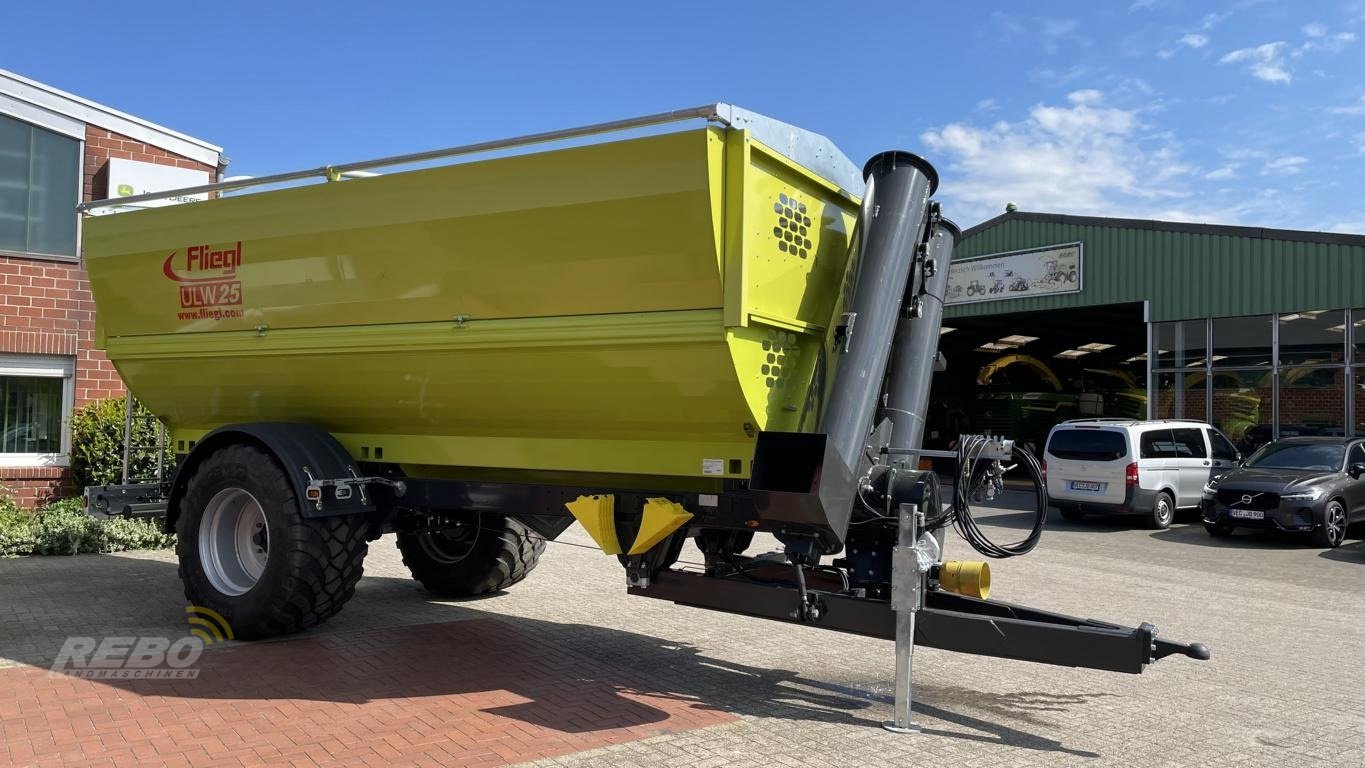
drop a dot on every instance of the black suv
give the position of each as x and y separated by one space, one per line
1312 485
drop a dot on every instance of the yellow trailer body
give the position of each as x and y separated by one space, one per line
639 307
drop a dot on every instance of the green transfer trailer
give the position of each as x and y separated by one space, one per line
698 325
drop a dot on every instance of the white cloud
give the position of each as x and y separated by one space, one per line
1008 26
1139 5
987 105
1195 40
1055 31
1081 157
1086 96
1165 53
1058 27
1264 208
1055 79
1265 62
1136 85
1355 109
1166 161
1224 173
1286 165
1213 19
1328 43
1314 30
1360 142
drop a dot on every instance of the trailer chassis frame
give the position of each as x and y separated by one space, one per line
947 621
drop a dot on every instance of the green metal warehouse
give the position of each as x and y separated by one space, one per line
1260 332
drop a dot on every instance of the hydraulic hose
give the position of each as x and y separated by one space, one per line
960 513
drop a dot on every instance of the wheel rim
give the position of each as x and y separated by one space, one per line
451 546
1335 523
1163 509
234 541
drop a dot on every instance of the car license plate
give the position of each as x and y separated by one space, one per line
1085 485
1247 514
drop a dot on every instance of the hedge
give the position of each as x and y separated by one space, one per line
63 528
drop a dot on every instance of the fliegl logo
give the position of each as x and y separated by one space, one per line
207 278
143 658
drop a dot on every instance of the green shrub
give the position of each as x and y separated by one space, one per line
123 534
97 443
18 529
63 528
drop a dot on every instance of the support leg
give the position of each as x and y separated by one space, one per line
905 653
907 582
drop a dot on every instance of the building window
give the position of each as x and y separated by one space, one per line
1180 395
1312 401
39 189
1244 407
1264 376
36 394
1242 342
1312 338
1180 344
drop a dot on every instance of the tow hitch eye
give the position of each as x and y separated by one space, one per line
1161 648
966 577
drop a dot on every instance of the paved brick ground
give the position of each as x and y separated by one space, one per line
1285 686
473 693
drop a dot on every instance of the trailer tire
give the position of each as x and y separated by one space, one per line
309 567
497 553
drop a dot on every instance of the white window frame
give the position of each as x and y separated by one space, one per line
44 366
62 127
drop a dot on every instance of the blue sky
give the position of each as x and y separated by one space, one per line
1240 111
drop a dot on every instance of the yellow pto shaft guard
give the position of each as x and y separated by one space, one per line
661 518
597 515
966 577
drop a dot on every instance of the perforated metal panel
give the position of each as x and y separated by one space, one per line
793 230
781 353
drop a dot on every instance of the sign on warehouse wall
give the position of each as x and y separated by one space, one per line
132 177
1014 275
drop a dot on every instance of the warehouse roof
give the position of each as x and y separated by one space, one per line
1179 270
1258 233
66 113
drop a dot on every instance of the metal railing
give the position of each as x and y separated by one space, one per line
710 112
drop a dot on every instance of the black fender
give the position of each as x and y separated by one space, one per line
305 452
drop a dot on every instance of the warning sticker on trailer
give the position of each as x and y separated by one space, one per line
713 466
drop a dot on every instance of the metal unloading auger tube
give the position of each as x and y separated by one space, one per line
855 485
892 233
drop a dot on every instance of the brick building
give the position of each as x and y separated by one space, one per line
57 149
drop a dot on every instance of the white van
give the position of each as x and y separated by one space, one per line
1118 466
